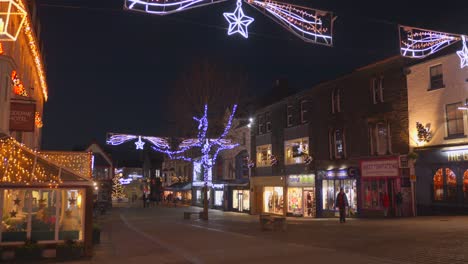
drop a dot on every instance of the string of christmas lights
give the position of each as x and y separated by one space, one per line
78 162
164 7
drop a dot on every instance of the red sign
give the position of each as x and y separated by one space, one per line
380 168
22 117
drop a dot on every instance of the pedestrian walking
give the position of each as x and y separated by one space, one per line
144 199
342 203
385 203
399 203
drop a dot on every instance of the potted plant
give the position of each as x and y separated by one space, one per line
96 233
30 250
71 249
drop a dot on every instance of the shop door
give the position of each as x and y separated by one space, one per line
309 202
391 196
240 200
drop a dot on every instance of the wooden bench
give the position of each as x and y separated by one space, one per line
272 222
187 215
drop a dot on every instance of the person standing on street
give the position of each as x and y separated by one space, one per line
144 199
385 203
342 203
399 202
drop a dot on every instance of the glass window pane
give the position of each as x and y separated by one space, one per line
295 201
43 215
451 184
15 215
438 181
246 200
235 199
71 214
273 200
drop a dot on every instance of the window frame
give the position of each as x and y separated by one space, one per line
336 98
335 144
267 122
289 121
260 124
447 120
377 90
436 81
259 150
374 138
303 111
288 146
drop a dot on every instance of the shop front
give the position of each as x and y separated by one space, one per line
331 181
241 200
442 180
181 191
268 195
380 182
301 195
42 201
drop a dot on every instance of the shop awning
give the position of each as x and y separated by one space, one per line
180 186
22 166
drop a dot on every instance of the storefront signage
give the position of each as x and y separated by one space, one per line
301 180
457 155
380 168
337 173
22 117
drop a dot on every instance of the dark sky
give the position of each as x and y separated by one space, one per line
111 70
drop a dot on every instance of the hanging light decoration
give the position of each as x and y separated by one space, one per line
18 87
12 19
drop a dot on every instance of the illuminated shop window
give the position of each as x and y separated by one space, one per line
296 150
264 156
273 200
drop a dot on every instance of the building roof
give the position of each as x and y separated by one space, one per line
22 166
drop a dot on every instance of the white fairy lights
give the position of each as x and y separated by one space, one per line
463 54
165 7
238 22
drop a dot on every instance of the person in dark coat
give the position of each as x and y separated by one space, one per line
144 199
342 203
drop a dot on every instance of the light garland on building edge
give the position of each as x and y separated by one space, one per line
38 120
78 162
21 165
33 46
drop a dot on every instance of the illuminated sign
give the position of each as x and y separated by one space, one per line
125 181
298 180
337 173
457 155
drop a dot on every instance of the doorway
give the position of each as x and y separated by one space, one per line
309 202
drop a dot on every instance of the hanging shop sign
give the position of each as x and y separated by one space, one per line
380 168
22 117
301 180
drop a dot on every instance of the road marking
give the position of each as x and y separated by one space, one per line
172 248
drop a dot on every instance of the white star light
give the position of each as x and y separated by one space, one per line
238 22
139 144
463 54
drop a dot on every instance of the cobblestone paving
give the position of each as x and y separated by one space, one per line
161 235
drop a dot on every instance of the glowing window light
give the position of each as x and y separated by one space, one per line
164 7
238 22
420 43
463 54
311 25
12 19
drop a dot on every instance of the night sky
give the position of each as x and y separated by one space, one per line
111 70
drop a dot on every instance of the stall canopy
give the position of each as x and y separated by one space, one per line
22 166
179 187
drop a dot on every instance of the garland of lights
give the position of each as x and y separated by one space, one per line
309 24
420 43
210 148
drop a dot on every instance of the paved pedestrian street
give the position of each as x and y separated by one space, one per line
161 235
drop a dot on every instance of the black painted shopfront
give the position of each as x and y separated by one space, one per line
442 180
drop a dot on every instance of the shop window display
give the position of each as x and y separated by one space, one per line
273 200
331 188
44 213
71 215
241 200
235 199
295 201
373 193
439 185
218 199
246 200
465 185
296 150
15 215
445 186
451 184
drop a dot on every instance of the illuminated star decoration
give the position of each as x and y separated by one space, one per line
463 54
139 144
238 22
72 201
17 201
13 213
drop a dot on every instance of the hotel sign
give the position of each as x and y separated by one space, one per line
22 117
380 168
